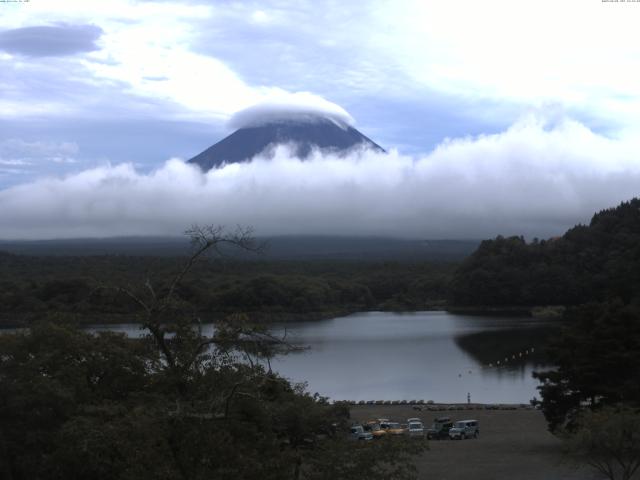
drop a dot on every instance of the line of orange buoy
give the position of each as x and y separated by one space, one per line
507 359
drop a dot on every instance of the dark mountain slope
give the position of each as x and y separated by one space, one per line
246 143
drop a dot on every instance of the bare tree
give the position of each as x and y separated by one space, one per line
158 303
175 328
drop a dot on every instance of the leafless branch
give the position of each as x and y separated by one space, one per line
149 286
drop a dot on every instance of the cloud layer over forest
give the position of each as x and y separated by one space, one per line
537 178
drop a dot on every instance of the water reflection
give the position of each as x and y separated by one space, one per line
426 355
510 348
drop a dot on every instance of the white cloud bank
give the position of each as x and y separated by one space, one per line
534 179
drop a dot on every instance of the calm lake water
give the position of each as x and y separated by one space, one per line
436 356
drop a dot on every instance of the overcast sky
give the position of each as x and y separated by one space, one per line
501 116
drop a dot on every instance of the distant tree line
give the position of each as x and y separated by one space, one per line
32 286
588 263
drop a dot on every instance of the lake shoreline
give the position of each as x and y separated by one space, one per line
429 355
23 320
535 311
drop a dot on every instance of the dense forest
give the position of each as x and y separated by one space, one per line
174 404
76 405
594 271
32 286
588 263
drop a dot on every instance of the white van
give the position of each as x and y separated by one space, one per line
464 429
415 429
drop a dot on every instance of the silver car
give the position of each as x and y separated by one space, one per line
358 433
464 429
415 429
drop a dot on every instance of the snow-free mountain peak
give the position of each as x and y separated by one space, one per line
261 128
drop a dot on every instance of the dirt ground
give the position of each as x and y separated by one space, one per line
513 444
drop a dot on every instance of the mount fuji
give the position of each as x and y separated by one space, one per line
304 131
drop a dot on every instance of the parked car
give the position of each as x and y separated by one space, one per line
464 429
392 428
414 419
415 429
442 420
375 429
440 428
358 433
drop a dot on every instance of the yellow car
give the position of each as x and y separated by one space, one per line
393 428
375 429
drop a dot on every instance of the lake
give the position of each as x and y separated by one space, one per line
437 356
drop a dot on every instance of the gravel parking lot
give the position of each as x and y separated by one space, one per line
513 444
